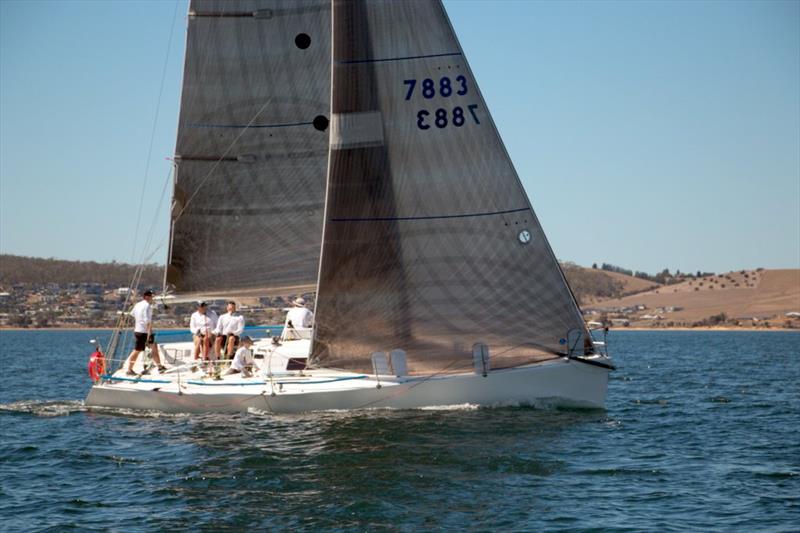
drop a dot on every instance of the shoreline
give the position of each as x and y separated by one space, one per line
624 328
703 328
106 328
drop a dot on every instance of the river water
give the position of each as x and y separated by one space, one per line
701 432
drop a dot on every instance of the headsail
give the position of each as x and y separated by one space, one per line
430 244
252 147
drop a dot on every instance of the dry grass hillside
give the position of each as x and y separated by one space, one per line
766 295
16 269
591 285
632 285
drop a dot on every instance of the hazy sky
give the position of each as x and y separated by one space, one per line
647 134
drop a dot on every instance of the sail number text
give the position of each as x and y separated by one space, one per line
445 87
441 119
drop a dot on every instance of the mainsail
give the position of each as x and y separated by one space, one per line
252 148
430 243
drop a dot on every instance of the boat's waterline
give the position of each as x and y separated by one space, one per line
570 383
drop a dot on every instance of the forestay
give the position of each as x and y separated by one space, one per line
252 147
430 244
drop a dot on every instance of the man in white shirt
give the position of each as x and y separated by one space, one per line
229 327
297 317
243 361
202 325
142 314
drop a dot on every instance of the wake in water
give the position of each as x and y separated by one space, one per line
543 404
539 408
54 408
44 408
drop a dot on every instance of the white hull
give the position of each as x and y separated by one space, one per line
557 382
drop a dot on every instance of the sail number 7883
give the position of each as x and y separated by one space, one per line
445 88
440 117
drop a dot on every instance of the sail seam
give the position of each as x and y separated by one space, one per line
385 59
287 125
223 14
428 217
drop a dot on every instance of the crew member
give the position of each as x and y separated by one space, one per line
229 327
142 314
243 361
202 325
297 317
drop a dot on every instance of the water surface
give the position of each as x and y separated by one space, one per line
700 432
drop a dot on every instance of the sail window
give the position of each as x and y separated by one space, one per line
302 41
524 236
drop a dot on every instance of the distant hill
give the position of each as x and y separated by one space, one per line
632 285
717 299
593 285
589 285
16 269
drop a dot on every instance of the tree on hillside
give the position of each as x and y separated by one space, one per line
608 267
586 283
18 269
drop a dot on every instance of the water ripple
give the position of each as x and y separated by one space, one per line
686 442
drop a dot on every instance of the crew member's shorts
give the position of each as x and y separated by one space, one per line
225 340
142 339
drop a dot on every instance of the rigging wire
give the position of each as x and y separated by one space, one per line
205 178
151 230
209 173
153 131
137 275
140 267
220 159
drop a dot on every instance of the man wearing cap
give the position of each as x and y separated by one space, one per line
243 361
229 327
202 325
142 314
297 317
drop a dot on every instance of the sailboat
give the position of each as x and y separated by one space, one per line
343 148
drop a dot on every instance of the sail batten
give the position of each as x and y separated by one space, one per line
430 217
252 126
384 59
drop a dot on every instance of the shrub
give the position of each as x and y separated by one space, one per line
591 283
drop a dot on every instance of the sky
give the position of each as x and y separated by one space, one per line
649 135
